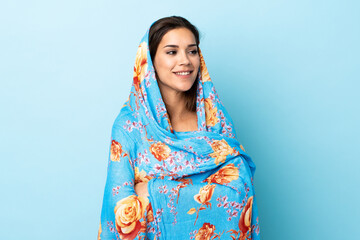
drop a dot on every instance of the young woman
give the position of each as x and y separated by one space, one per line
176 170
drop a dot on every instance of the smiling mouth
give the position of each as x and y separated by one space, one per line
183 73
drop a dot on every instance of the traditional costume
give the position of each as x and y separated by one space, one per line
200 182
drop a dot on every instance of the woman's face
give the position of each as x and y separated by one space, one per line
177 60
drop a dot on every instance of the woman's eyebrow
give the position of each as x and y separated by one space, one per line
176 46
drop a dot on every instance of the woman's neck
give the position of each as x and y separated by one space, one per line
175 105
180 117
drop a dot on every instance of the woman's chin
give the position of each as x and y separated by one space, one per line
184 87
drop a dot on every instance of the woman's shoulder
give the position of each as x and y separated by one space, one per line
123 118
126 125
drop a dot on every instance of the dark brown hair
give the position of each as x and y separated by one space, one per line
157 30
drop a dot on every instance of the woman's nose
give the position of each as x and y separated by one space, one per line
184 59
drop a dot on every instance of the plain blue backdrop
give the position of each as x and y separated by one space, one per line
287 72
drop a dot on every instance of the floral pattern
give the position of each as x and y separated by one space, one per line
205 232
224 175
245 218
210 112
205 77
203 197
221 149
245 227
205 194
140 65
141 176
160 151
203 177
128 212
116 151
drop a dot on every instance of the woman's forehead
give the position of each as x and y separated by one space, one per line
178 37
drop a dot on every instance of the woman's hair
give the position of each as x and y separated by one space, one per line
157 30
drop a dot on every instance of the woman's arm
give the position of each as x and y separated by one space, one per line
123 211
224 199
141 189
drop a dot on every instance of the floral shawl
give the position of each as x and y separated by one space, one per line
200 182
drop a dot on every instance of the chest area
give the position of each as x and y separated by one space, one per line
158 159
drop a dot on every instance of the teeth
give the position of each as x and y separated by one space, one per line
182 73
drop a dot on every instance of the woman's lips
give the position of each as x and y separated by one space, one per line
183 75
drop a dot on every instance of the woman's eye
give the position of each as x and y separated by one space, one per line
193 52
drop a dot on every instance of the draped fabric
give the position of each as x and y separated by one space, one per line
200 182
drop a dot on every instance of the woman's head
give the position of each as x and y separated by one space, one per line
181 56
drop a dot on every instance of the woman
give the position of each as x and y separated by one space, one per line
176 170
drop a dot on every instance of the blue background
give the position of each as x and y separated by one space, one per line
287 72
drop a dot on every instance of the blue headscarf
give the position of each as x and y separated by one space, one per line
200 182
